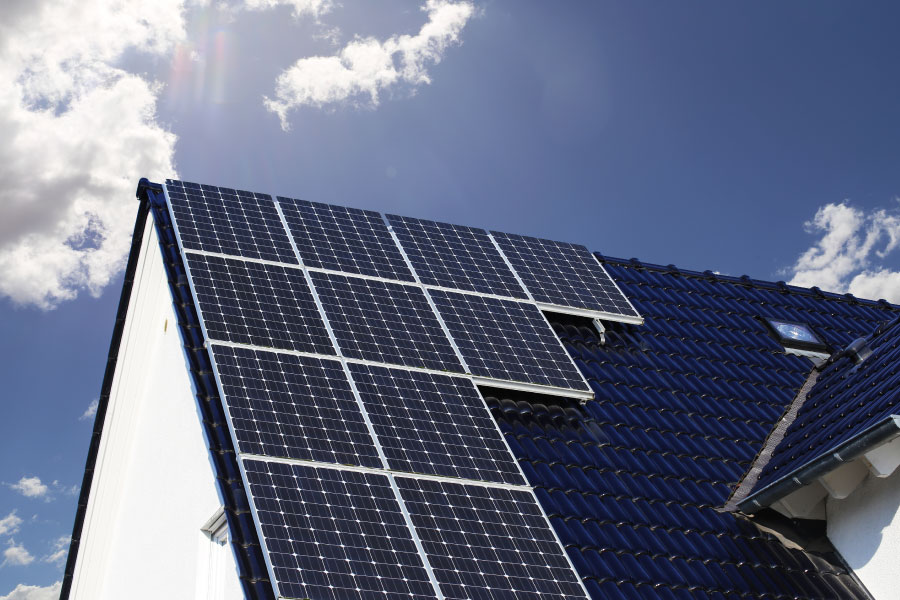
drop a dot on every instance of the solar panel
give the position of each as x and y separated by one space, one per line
229 222
563 274
344 239
259 304
335 535
384 322
485 542
289 406
455 257
507 340
434 424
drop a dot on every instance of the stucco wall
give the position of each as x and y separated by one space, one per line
865 529
154 486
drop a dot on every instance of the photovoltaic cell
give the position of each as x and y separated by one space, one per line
289 406
258 304
563 274
487 542
434 424
384 322
344 239
506 340
335 535
229 222
454 256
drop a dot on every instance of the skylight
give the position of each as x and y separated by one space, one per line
796 335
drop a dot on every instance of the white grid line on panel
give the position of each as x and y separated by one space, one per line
257 304
510 265
434 309
330 488
455 257
347 238
357 468
435 424
415 537
334 341
477 380
453 495
223 210
260 261
526 352
582 287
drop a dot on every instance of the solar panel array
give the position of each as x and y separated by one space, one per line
485 542
563 274
434 424
454 256
384 322
345 366
507 340
343 239
259 304
228 222
335 534
289 406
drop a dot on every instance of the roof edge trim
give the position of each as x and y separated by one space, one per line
876 435
106 387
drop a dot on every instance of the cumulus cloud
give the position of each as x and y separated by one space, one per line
58 552
76 132
90 411
33 592
847 256
366 67
16 555
10 524
31 487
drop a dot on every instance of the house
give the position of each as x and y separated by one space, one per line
310 401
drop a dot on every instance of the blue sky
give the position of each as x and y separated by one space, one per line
758 138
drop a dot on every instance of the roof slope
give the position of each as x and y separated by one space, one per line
846 401
632 481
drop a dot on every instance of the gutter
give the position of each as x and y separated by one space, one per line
880 433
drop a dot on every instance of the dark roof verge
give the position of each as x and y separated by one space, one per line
748 481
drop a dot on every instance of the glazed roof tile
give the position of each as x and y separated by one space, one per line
847 400
634 480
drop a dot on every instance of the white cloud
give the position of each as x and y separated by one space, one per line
76 133
31 487
366 67
846 256
90 411
58 552
33 592
313 8
10 524
16 555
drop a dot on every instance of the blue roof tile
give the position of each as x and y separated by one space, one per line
633 481
846 401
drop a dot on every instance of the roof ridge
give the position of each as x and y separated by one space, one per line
746 281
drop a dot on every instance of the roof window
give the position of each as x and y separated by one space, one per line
796 335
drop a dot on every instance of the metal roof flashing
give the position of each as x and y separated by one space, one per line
856 447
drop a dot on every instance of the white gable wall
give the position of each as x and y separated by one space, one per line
154 485
865 529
